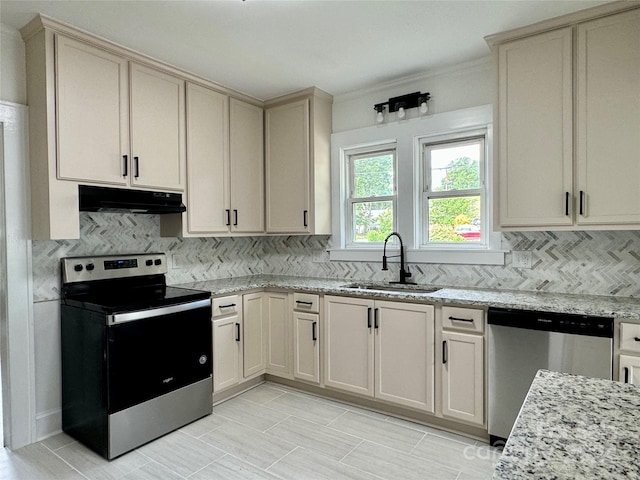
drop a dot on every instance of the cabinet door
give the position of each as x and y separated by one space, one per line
92 113
208 208
535 130
278 334
226 352
306 346
247 167
608 111
287 162
254 346
404 354
157 129
629 369
463 377
348 343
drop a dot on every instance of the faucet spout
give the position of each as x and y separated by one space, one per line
404 274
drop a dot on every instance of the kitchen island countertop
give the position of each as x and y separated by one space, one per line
574 427
605 306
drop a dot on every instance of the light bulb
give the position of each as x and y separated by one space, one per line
380 117
424 108
401 112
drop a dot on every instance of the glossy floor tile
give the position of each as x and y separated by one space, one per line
270 432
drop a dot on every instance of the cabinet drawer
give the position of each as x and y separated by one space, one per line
306 302
467 319
629 332
225 306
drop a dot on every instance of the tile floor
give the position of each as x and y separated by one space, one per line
270 432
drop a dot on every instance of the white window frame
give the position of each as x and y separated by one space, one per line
407 136
426 194
362 152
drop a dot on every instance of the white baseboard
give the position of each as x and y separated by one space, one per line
48 423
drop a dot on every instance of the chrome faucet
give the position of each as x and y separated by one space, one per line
404 274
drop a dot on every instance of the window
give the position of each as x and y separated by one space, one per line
453 194
371 196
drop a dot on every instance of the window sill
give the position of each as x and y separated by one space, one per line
458 256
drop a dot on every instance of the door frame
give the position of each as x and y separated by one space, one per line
16 280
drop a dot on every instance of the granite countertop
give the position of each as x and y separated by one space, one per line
574 427
606 306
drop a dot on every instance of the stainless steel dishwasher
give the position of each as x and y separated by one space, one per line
522 341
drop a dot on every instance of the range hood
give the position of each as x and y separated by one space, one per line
106 199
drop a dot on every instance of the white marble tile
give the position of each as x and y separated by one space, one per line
304 464
316 437
231 468
152 471
378 431
204 425
263 393
306 407
181 453
248 444
35 462
58 441
95 467
391 464
252 415
469 458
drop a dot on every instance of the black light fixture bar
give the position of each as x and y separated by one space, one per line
410 100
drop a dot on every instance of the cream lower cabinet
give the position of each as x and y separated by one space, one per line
254 334
380 349
306 337
462 364
277 318
629 360
227 342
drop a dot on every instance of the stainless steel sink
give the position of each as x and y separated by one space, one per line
404 288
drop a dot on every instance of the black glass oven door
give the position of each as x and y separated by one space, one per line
148 357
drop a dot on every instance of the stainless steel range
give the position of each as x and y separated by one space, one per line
136 354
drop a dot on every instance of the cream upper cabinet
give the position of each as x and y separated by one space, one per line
297 158
208 208
404 354
246 167
568 117
535 130
608 120
157 129
92 114
380 349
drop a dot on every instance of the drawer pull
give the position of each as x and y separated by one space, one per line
458 319
228 306
637 339
314 335
300 302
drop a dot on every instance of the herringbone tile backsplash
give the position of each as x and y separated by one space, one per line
595 263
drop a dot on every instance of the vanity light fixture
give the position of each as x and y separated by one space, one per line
401 104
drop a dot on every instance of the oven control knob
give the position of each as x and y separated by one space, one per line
78 267
90 266
148 263
158 261
202 359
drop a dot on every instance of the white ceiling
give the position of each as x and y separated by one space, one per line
268 48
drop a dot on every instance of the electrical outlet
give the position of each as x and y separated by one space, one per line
178 261
319 256
521 259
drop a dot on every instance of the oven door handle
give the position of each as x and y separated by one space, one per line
156 312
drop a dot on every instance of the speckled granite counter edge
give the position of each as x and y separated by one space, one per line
571 427
619 307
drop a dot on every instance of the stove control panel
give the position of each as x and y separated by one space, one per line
82 269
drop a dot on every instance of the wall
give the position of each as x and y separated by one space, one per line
13 87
